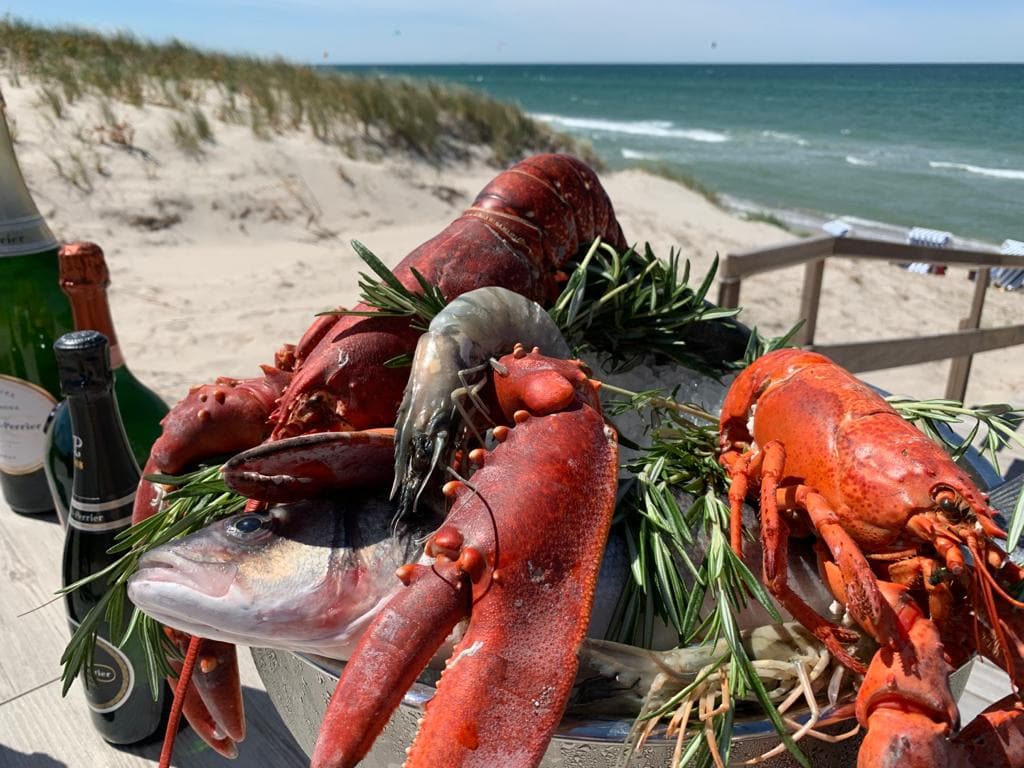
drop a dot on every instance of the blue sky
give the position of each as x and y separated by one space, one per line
456 31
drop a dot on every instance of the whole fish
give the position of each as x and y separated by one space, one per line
307 576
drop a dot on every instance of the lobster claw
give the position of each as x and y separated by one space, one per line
306 466
519 552
213 698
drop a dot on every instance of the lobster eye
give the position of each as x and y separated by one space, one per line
247 527
948 501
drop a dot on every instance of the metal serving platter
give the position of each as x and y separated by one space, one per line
300 686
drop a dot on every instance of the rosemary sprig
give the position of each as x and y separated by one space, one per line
622 307
682 462
758 345
389 297
627 306
200 499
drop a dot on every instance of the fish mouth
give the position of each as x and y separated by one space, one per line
210 578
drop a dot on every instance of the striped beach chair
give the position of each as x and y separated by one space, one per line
1009 278
935 238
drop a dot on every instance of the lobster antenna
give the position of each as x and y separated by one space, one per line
490 513
184 679
986 581
990 579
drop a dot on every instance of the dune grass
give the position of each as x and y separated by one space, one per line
770 218
359 114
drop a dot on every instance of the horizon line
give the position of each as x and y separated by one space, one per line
666 63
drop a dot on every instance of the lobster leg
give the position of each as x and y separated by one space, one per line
908 710
769 463
213 697
862 596
202 722
740 467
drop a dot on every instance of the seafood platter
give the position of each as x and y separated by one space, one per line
442 513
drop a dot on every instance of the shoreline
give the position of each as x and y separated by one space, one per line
811 222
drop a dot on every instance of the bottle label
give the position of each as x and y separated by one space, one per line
23 411
110 679
29 234
96 516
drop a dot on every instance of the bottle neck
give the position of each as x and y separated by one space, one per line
106 474
91 311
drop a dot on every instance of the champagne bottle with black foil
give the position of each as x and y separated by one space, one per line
33 313
84 278
120 701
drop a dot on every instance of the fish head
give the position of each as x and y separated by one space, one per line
305 576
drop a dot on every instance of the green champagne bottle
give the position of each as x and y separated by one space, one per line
84 278
33 313
123 708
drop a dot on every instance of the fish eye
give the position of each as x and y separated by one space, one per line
247 526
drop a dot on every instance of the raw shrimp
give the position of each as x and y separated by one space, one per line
460 343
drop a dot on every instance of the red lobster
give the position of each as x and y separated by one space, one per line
894 516
518 554
519 233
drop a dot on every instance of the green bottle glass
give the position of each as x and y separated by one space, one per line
121 705
84 278
33 313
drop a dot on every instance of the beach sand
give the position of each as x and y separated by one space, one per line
217 260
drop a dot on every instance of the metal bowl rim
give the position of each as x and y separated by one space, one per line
605 730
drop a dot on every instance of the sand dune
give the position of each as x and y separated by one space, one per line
219 258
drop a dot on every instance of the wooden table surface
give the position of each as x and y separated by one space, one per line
38 728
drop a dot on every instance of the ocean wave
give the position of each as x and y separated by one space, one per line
658 128
636 154
852 160
782 136
881 226
999 173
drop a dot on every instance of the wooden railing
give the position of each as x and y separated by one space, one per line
891 353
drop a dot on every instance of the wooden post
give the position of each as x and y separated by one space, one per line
960 367
729 292
809 300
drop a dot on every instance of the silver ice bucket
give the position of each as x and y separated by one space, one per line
300 686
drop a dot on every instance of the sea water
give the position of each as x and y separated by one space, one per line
884 146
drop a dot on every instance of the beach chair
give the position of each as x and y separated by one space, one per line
1009 278
935 238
